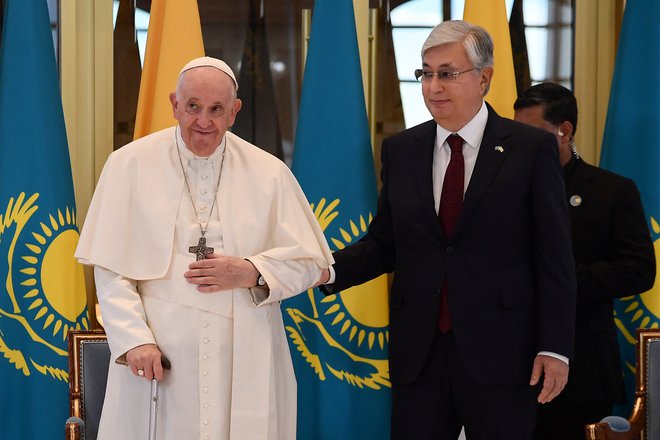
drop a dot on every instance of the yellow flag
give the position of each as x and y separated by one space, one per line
174 38
491 15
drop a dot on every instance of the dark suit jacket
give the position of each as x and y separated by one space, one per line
509 266
615 258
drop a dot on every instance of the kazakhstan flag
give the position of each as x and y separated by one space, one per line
631 147
42 294
338 343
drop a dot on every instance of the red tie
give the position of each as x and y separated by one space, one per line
451 202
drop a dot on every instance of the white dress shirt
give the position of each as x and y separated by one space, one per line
472 134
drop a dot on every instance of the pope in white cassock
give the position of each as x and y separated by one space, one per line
196 236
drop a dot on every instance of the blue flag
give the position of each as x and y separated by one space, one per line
631 147
43 291
339 343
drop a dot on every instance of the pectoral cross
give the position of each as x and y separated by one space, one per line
201 250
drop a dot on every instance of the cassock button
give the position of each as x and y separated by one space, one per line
205 389
202 208
205 373
205 324
205 356
206 437
205 405
204 177
205 340
206 421
450 249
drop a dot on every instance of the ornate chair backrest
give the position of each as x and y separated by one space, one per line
89 357
651 362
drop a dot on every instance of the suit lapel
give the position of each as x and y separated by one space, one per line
423 166
492 153
578 185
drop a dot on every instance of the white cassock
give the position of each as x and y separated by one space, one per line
231 375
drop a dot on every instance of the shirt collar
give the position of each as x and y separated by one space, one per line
472 132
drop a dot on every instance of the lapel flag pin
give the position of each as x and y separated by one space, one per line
499 148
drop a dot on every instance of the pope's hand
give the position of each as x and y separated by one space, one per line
220 272
145 361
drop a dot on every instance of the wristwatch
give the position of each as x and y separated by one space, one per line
261 281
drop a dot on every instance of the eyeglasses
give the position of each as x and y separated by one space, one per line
443 75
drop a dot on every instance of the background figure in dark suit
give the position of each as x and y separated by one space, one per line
483 297
613 256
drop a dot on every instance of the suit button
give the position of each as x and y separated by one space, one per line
438 292
449 249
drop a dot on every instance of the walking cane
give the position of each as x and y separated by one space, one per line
153 403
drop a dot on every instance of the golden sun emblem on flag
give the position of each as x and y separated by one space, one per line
345 335
641 311
44 287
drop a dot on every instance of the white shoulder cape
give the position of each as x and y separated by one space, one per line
129 228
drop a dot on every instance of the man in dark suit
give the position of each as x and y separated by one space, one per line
476 231
614 258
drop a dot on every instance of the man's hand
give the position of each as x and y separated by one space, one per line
325 277
219 272
145 361
555 374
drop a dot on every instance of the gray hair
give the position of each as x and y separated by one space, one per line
476 41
